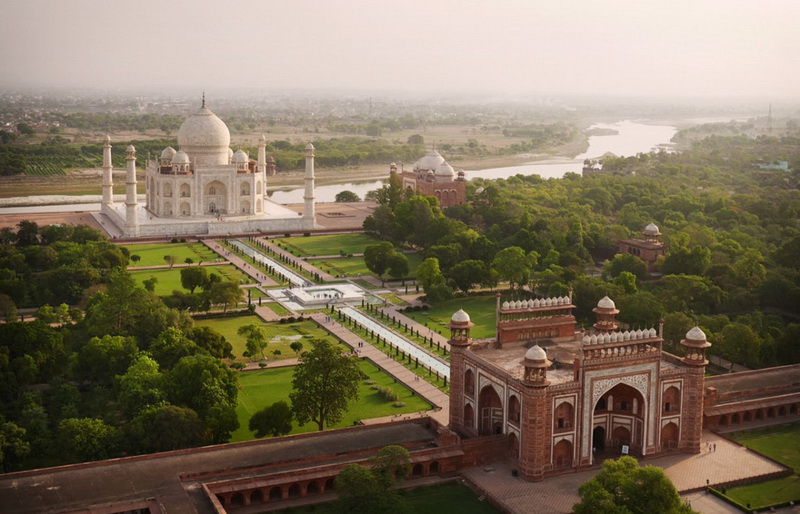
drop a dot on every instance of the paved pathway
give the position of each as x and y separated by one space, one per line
325 277
394 368
256 274
221 262
392 310
687 472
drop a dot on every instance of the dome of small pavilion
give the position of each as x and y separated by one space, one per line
606 303
240 157
460 316
651 230
535 353
180 158
168 153
695 334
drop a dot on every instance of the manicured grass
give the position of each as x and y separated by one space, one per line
153 254
332 244
279 309
169 279
432 499
481 310
781 443
260 389
353 266
279 335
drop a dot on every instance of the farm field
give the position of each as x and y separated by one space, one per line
781 443
332 244
481 310
279 335
263 388
153 254
169 279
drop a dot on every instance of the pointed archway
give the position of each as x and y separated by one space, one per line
490 408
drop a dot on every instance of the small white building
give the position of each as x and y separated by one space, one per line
204 187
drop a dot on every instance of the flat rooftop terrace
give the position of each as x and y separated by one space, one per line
168 477
750 383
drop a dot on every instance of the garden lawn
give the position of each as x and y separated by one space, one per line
333 244
781 443
169 279
260 389
280 336
481 310
153 254
353 266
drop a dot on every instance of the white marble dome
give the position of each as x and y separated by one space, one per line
695 334
130 149
168 153
180 158
535 353
445 171
606 303
429 161
205 137
651 229
460 316
240 157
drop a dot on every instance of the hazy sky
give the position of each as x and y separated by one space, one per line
637 47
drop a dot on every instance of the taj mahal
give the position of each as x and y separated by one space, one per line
204 187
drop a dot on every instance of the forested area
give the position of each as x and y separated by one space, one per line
732 262
119 373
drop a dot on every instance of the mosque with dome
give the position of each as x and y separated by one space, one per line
433 176
204 187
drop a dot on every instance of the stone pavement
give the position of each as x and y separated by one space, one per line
325 277
392 310
256 274
424 389
688 472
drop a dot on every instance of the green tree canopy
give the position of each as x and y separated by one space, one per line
274 420
322 384
194 277
346 197
623 487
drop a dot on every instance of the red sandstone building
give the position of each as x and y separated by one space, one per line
649 248
560 398
432 176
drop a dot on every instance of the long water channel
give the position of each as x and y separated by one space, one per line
417 353
260 258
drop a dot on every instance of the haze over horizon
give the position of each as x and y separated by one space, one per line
690 49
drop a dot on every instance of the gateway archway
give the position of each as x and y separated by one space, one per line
619 420
491 411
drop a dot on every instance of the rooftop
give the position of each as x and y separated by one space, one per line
167 476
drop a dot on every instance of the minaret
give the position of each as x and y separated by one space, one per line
131 222
262 154
309 214
108 181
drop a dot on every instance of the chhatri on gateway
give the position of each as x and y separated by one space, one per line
204 188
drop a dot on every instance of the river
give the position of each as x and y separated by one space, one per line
632 137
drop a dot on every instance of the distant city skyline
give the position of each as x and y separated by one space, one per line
681 49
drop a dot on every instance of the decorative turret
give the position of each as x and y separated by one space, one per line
651 233
393 168
131 221
460 326
606 312
696 345
536 363
262 154
309 213
271 169
108 181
